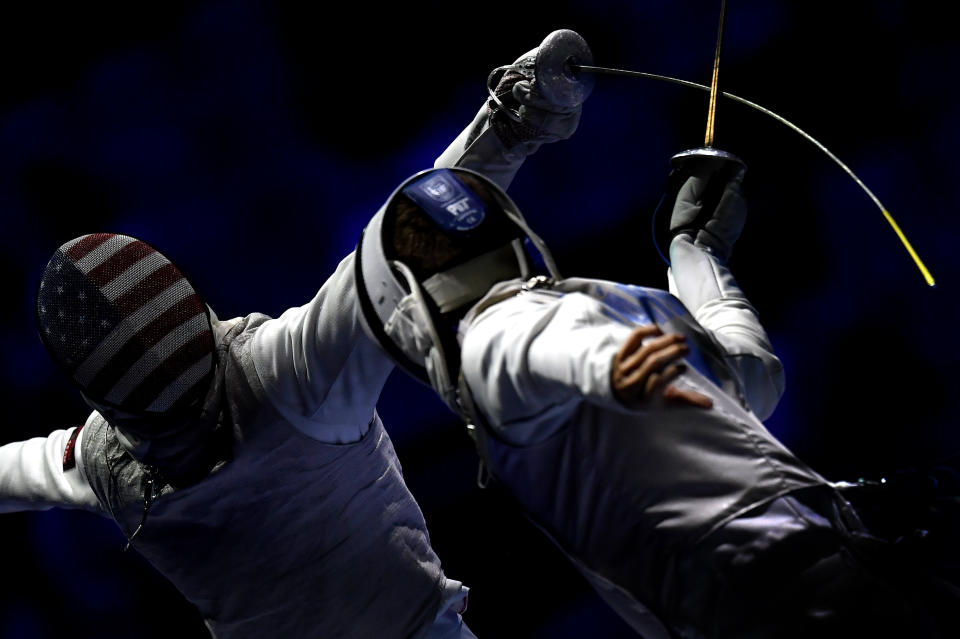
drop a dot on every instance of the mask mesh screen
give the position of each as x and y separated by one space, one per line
125 324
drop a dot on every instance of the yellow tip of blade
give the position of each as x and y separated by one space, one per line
906 243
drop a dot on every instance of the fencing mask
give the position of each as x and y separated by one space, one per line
126 326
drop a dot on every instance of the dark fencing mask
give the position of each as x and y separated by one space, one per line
126 326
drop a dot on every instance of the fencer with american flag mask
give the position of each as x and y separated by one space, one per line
243 458
130 331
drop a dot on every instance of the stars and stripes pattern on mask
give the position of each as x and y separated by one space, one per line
125 324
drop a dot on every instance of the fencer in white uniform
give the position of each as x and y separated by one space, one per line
676 503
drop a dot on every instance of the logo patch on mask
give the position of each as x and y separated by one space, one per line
447 201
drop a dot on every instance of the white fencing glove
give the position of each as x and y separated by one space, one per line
518 116
540 122
710 207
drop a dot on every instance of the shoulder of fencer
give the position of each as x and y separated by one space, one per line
497 293
510 304
94 430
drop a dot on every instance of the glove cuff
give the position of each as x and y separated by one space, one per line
510 132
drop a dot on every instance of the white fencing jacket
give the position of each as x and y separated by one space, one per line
626 493
308 529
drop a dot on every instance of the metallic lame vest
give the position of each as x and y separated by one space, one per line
289 538
626 493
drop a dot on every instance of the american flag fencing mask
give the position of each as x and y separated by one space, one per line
125 325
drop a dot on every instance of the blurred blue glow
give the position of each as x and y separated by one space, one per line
252 143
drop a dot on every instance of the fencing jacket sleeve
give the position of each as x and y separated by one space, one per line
32 475
478 148
707 288
318 367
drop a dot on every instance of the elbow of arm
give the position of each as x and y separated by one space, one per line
736 326
763 382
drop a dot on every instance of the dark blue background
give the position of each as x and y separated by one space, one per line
251 141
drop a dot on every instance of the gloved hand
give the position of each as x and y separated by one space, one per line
518 116
540 121
710 207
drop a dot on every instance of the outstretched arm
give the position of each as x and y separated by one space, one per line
32 475
317 365
707 219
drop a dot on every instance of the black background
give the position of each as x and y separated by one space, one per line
251 142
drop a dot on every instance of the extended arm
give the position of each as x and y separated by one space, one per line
32 476
700 278
317 365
